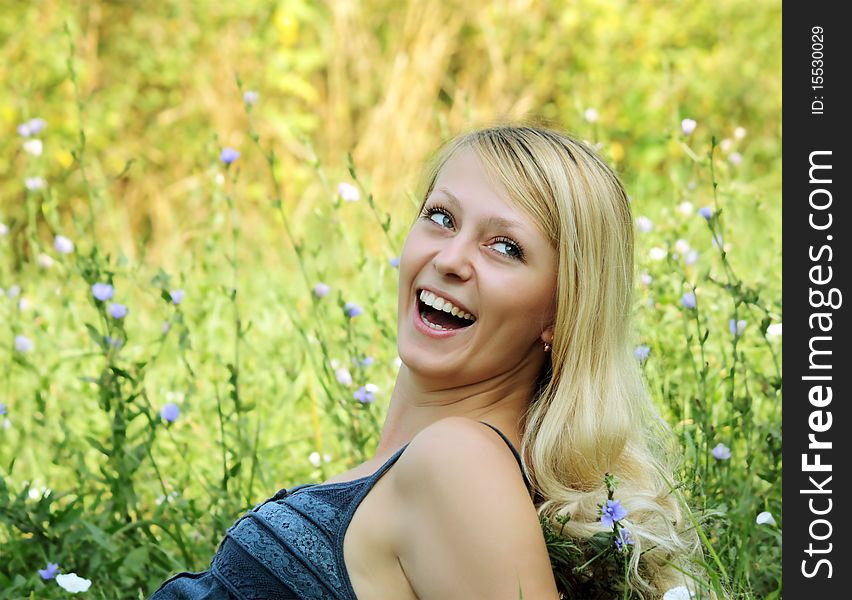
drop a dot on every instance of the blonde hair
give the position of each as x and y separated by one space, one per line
591 413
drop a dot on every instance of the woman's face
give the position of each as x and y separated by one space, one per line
488 256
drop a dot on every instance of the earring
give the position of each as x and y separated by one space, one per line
546 347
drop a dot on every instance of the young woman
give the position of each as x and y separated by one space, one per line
515 295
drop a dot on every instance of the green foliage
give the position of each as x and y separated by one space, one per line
139 101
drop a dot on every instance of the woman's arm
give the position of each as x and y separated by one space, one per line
466 527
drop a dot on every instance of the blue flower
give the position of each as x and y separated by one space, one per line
2 409
23 343
612 511
118 311
352 310
102 291
737 327
721 452
63 245
114 342
31 127
706 212
363 395
641 352
229 155
177 296
50 572
170 412
623 539
394 262
321 290
343 376
688 300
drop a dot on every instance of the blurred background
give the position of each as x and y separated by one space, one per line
201 209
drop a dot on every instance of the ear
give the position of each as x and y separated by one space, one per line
547 335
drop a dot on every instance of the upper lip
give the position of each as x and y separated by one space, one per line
446 296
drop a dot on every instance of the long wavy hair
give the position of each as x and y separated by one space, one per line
591 413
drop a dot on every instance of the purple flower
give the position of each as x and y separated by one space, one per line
363 395
688 300
50 572
706 212
114 342
394 262
721 452
321 290
641 353
229 155
367 361
691 258
644 224
737 328
63 245
118 311
2 409
170 412
177 296
31 127
352 310
343 376
623 539
23 344
102 291
612 511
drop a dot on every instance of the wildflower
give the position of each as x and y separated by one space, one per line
170 412
679 593
314 458
352 310
688 300
23 304
682 246
656 253
4 229
251 97
118 311
612 511
50 572
363 395
34 183
773 330
739 133
2 409
348 192
691 257
685 208
102 291
591 115
687 126
721 452
31 127
23 344
45 261
394 262
70 582
343 376
114 342
726 145
367 361
14 291
644 224
641 353
737 328
63 245
321 290
176 295
765 518
735 158
691 185
623 539
33 147
229 155
646 279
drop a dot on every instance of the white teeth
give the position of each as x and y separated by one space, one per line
432 325
439 303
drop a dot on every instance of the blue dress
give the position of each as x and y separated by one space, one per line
288 547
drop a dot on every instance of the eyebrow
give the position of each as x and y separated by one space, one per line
492 220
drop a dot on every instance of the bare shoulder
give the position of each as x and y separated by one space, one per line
466 525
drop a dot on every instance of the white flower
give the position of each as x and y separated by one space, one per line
34 147
682 246
735 158
219 179
773 330
685 208
343 376
326 457
7 424
63 245
739 133
691 257
678 593
314 459
765 518
4 229
646 279
23 304
70 582
34 183
656 253
44 261
348 192
644 224
688 126
726 145
591 115
251 97
371 387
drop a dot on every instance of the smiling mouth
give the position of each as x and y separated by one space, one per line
439 318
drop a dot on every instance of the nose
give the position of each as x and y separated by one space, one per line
454 258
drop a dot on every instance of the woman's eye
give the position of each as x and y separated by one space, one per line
444 217
516 251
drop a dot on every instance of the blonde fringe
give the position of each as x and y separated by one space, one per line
591 413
